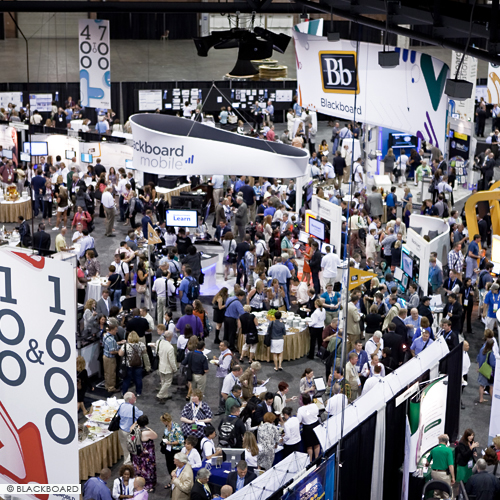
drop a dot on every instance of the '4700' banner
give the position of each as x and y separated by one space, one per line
408 98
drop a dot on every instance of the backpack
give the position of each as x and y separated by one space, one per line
135 359
227 431
139 206
193 291
134 442
242 267
480 282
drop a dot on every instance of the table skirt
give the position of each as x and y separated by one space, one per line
10 212
174 192
296 346
103 453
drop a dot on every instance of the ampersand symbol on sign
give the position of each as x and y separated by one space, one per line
32 350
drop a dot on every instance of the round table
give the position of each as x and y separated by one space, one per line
296 346
11 210
94 288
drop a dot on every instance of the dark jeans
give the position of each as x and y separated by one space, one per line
288 449
315 339
38 204
47 209
240 275
134 374
122 208
467 311
183 307
316 283
230 327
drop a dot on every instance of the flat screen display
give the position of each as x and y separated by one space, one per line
403 141
407 263
25 156
86 158
150 100
70 154
398 274
303 237
316 228
41 102
37 148
182 218
129 164
7 153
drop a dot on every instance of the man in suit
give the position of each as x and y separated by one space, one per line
182 477
449 334
201 490
399 321
395 343
222 229
353 319
425 310
241 218
266 406
453 312
41 240
104 303
375 203
241 477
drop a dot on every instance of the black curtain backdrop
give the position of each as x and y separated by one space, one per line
451 364
357 461
394 449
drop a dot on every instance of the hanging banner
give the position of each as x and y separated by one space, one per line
38 414
358 277
94 55
169 145
493 84
495 407
468 71
409 98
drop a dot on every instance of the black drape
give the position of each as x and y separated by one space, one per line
395 422
357 461
451 364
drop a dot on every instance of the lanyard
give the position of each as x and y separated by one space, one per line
467 292
195 410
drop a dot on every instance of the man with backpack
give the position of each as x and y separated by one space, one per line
189 289
231 430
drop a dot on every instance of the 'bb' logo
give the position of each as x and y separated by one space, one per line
338 72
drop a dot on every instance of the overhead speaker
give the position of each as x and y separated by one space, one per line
388 59
243 68
459 90
333 37
280 41
251 48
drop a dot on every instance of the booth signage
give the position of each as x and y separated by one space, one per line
493 84
38 417
358 277
495 406
94 56
409 98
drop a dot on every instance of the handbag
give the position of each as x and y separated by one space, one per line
114 425
201 278
485 369
141 288
267 338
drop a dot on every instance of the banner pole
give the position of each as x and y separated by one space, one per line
149 279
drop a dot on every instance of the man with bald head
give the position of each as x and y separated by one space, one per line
413 322
96 489
399 227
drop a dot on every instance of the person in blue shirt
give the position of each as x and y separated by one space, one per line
361 354
238 184
485 355
128 416
183 289
297 108
471 259
269 211
234 309
435 275
421 343
96 489
491 306
391 198
331 302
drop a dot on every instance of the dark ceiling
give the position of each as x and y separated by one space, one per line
443 23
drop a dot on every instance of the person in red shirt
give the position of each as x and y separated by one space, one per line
81 217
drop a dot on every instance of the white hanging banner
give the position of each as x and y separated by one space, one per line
409 98
168 145
493 84
94 56
468 71
495 406
38 414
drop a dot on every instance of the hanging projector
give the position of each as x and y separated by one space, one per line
256 44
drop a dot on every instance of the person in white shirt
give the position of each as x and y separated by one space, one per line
328 171
375 345
369 367
329 264
252 449
194 458
337 402
401 163
291 439
307 415
373 381
316 326
300 289
77 235
160 287
465 368
358 175
208 449
187 110
108 202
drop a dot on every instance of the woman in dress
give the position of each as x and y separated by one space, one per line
465 453
485 356
82 383
133 350
48 198
308 417
123 485
112 177
173 438
145 463
141 286
193 412
277 331
249 324
268 438
62 207
307 386
389 161
252 450
146 199
219 306
306 271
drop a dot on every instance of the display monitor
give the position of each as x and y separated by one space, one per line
7 153
317 228
398 274
70 154
129 164
36 148
324 245
407 264
150 100
86 158
25 156
303 237
404 281
182 218
403 141
284 95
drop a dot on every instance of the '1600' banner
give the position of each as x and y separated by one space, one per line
408 98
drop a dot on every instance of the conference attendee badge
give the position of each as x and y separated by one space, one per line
495 307
194 427
470 464
466 302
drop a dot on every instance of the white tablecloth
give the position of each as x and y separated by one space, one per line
94 289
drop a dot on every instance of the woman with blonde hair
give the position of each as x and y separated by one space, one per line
62 207
268 229
133 350
219 306
82 383
252 450
389 160
89 313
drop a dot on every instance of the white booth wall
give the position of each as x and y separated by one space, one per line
441 243
333 214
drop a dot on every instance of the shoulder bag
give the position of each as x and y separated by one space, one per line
114 425
485 369
267 338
